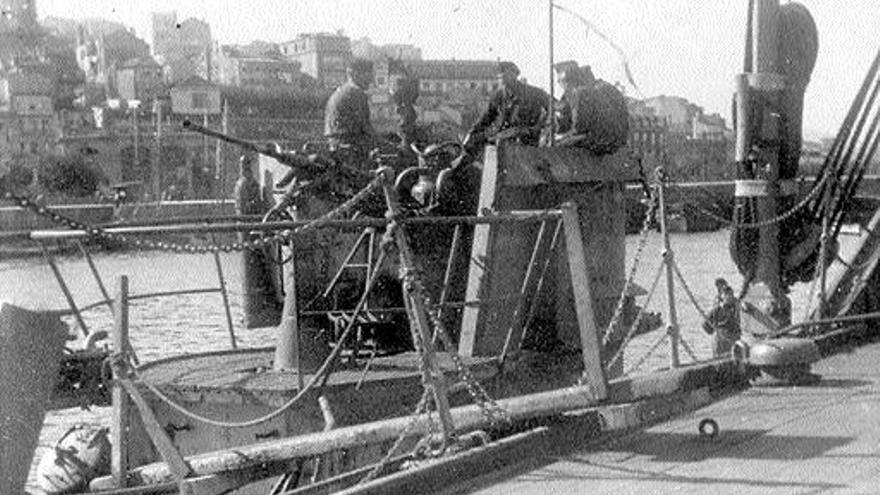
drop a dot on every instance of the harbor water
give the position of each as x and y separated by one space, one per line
175 325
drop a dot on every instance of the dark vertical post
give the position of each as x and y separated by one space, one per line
672 327
551 117
767 291
157 158
121 402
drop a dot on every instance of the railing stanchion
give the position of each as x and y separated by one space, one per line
64 289
672 327
447 276
225 297
94 269
120 400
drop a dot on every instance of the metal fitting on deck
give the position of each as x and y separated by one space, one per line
784 360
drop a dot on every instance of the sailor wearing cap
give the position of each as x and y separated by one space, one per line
723 320
347 125
517 110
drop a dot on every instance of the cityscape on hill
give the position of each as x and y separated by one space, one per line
94 93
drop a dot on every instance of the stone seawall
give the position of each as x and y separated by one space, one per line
16 219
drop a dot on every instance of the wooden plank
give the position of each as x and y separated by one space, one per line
591 343
158 436
478 275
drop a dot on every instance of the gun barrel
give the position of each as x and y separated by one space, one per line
293 160
192 126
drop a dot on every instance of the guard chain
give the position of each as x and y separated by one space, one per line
279 237
643 241
689 292
488 406
418 411
632 330
764 223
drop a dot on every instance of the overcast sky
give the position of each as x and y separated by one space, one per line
690 48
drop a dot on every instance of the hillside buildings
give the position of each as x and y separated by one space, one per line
96 89
323 56
182 48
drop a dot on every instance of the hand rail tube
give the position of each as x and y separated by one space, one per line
285 225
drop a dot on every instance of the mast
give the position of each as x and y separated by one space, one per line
763 80
551 114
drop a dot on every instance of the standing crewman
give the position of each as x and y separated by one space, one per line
516 111
723 320
347 125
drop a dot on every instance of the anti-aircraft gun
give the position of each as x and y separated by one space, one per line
431 181
318 173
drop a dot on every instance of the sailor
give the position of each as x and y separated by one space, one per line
569 78
248 196
347 125
723 320
516 111
592 114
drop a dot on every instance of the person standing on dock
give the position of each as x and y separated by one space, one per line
723 320
517 111
347 127
248 195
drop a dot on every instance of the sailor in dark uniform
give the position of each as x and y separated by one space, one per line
570 79
516 111
347 125
723 320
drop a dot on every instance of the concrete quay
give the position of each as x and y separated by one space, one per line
771 440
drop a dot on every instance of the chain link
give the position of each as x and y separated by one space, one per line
688 291
764 223
634 327
417 412
643 241
491 410
279 237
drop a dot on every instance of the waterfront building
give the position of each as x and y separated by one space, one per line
323 56
28 128
263 67
140 79
100 54
182 48
18 15
364 48
452 93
